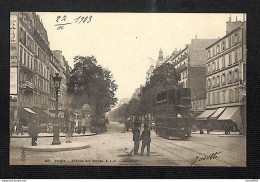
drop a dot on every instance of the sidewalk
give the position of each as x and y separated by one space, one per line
26 135
219 133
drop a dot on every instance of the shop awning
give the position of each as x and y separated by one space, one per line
49 114
30 111
231 113
217 113
205 114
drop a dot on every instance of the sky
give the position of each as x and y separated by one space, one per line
126 43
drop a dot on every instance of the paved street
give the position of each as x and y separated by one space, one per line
112 148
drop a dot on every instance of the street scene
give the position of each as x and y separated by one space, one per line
107 152
108 89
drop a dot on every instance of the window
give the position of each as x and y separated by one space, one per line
230 95
223 62
31 63
229 59
224 79
208 54
229 42
213 52
24 58
224 96
236 75
224 45
217 64
213 98
209 99
236 95
208 68
209 83
214 66
213 82
35 65
218 98
218 81
236 60
28 59
217 49
236 38
21 54
230 77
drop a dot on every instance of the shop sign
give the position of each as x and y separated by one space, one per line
13 40
13 81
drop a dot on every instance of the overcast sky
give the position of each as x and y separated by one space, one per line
123 42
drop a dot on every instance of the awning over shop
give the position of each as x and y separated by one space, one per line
205 114
231 113
217 113
30 111
49 114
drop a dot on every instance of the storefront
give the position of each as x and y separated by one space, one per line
217 125
232 114
26 115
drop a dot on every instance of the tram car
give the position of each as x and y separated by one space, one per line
98 124
172 117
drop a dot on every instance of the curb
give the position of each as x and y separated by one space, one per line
54 149
231 135
52 136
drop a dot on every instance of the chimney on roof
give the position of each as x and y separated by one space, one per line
230 26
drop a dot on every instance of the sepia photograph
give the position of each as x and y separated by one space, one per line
128 89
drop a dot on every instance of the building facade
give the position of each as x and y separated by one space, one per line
54 68
30 57
31 66
64 73
190 64
226 75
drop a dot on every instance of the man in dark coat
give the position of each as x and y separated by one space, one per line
136 139
146 140
33 131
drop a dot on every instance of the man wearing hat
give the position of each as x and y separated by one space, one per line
146 140
34 130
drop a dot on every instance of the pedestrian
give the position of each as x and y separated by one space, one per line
34 130
84 129
227 129
208 127
136 139
200 128
68 132
11 128
146 140
79 128
20 127
15 128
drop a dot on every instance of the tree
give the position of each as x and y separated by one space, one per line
163 78
90 83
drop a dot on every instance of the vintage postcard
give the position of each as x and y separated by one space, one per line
128 89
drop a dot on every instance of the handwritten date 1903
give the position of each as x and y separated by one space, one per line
83 19
209 157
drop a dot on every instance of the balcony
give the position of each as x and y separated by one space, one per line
182 67
28 85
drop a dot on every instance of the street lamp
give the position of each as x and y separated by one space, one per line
56 124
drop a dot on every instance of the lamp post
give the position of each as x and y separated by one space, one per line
56 124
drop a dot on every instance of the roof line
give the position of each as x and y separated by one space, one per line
226 35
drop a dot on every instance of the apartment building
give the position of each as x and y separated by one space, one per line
226 77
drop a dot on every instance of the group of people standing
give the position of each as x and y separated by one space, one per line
17 128
145 137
